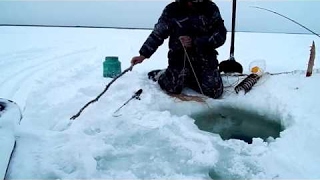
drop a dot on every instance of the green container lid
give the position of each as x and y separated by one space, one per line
111 67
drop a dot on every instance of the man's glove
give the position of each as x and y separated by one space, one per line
137 59
186 41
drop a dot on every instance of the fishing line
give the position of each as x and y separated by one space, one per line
274 12
194 73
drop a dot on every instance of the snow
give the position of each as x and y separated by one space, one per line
52 72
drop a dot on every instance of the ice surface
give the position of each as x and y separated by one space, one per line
52 72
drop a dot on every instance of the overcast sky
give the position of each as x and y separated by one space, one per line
143 14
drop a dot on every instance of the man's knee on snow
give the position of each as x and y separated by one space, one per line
214 93
169 87
170 82
212 84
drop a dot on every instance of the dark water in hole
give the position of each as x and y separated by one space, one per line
232 123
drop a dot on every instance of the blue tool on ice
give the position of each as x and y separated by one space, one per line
10 117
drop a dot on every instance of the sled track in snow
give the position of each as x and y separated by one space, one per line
25 55
21 78
15 64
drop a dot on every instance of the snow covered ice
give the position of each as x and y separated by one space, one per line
52 72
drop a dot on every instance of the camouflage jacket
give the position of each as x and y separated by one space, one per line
203 24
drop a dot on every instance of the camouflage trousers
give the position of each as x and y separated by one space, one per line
174 80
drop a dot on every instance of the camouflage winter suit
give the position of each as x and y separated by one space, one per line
206 28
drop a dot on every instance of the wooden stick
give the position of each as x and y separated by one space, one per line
98 97
311 60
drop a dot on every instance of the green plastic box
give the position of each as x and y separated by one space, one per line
111 67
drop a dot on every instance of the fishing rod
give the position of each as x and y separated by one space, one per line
98 97
274 12
135 96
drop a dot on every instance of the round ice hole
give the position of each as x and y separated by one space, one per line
233 123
